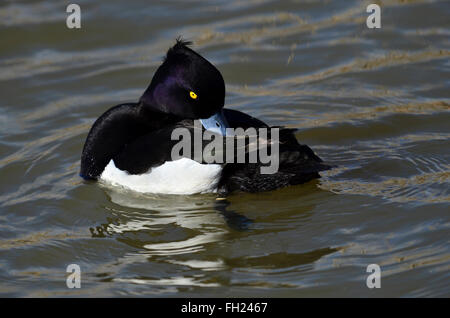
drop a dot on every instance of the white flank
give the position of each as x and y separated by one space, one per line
183 176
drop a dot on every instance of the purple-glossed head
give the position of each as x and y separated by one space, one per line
186 85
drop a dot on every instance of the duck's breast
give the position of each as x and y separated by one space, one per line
183 176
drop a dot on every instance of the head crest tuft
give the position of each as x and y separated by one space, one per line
179 47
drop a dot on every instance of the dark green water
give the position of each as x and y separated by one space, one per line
373 102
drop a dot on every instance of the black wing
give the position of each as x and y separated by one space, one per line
297 162
236 119
149 150
154 148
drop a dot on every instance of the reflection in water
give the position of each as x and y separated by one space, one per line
196 218
167 229
173 281
282 261
176 231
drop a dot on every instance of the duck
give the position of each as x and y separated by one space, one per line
130 145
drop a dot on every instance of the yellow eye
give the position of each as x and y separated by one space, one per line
193 95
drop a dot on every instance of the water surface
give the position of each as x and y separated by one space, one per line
373 102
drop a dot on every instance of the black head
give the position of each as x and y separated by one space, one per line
185 85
